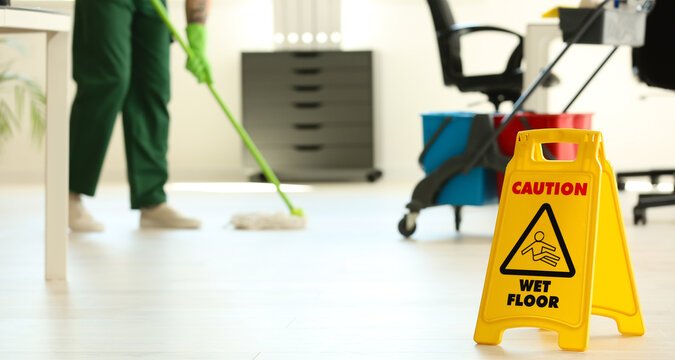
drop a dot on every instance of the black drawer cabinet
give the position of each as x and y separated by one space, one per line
310 113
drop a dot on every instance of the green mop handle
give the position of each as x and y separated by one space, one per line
269 174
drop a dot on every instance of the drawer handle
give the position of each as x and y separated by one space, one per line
306 54
307 126
306 88
307 105
307 71
308 148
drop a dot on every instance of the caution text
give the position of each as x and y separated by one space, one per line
549 188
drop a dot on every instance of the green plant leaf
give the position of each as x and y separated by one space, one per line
19 100
5 123
24 91
9 114
37 116
13 44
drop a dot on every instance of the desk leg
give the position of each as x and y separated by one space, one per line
56 182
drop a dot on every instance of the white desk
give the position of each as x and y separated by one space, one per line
56 26
536 53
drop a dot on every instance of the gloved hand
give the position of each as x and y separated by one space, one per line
198 64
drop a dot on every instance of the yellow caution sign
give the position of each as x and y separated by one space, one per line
559 252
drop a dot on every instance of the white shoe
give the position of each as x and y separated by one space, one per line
165 217
79 219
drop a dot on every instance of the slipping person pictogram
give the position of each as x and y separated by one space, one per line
542 251
547 258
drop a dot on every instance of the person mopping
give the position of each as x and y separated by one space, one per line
121 63
295 218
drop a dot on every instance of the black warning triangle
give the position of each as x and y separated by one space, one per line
570 273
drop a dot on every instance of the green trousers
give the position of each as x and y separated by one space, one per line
120 63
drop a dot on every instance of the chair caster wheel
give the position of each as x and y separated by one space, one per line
373 175
259 177
639 216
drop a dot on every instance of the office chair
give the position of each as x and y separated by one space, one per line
506 86
653 63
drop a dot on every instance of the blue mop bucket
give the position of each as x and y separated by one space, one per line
479 186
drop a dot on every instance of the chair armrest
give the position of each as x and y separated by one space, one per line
454 33
459 30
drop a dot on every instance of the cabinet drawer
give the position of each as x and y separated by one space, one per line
316 156
287 60
257 79
318 112
312 133
282 95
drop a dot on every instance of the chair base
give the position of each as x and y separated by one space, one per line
646 201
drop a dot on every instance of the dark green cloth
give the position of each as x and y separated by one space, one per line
120 63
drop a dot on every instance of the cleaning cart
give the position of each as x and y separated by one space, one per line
482 153
450 141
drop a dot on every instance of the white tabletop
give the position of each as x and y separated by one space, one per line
27 19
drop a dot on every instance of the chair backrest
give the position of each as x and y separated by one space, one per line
449 48
442 15
654 61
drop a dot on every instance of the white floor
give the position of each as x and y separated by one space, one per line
348 287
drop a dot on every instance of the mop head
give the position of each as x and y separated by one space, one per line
269 221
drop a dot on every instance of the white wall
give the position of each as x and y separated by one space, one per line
408 81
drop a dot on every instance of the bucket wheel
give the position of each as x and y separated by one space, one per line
407 225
